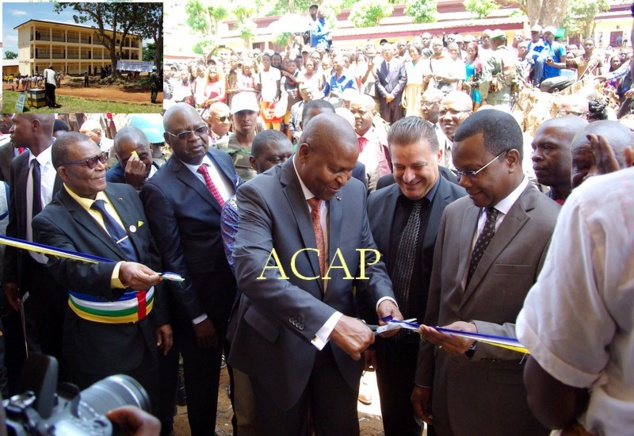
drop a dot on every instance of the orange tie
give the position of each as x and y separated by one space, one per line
315 205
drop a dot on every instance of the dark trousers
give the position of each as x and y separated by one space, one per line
146 374
202 376
391 112
396 368
50 94
49 302
328 401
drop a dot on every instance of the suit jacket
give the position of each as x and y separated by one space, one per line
185 219
94 347
484 394
7 153
14 258
381 207
278 317
392 81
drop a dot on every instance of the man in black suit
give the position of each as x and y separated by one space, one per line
419 190
33 184
184 201
106 221
391 79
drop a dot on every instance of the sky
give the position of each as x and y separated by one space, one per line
16 13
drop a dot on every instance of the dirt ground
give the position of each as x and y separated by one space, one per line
369 416
127 92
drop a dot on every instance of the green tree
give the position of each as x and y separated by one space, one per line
246 27
579 19
149 52
121 18
544 12
421 11
203 18
368 13
10 55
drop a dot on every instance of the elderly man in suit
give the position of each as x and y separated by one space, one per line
404 219
183 202
113 307
134 154
303 240
489 251
391 79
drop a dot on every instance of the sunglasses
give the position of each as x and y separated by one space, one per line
202 130
91 162
223 119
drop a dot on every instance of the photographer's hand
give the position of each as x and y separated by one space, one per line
134 421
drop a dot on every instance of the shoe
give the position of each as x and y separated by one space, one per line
365 398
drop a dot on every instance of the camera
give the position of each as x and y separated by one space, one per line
47 409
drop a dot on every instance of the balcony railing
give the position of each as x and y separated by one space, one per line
58 56
73 56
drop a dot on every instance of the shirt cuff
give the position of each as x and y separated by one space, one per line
323 334
382 299
115 281
199 319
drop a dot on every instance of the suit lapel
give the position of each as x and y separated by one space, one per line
435 214
188 178
387 212
468 228
129 219
83 218
504 235
299 208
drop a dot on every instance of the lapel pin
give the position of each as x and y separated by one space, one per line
132 229
139 223
338 198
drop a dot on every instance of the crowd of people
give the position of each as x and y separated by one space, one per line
300 210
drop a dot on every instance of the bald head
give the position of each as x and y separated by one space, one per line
551 156
219 118
178 109
327 154
584 164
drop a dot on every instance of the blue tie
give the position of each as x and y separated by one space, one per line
117 233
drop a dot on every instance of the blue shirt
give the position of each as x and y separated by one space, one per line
558 53
339 85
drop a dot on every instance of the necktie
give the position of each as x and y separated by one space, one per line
362 142
117 233
404 265
315 205
483 240
210 184
37 189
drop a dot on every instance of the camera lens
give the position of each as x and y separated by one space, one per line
110 393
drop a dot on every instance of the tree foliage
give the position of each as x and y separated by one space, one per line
368 13
421 11
543 12
122 18
10 55
580 16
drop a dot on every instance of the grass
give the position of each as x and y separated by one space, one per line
79 105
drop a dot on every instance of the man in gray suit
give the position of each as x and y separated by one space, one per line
391 79
419 190
489 251
303 242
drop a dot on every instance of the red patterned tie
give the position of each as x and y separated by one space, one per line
315 205
210 185
362 142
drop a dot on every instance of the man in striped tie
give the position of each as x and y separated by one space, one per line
114 305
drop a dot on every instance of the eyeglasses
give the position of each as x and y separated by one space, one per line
202 130
91 162
429 103
452 113
472 174
223 118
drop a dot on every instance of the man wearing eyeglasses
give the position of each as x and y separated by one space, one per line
134 154
489 251
219 122
183 202
33 184
454 109
114 307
